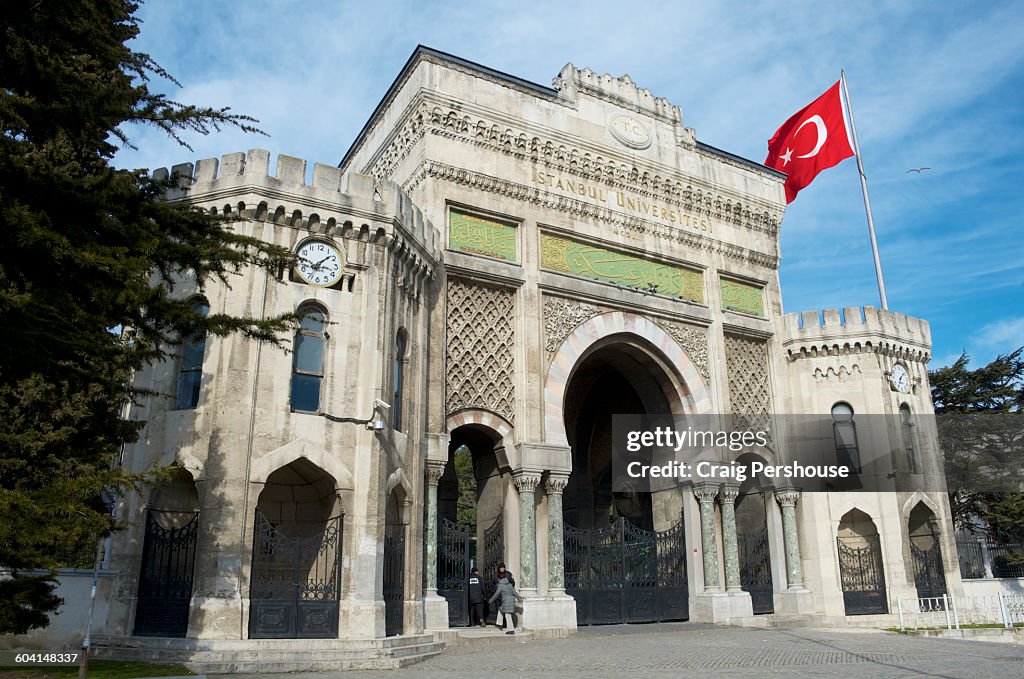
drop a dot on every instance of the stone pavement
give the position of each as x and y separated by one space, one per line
683 649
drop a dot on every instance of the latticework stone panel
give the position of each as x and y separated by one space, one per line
750 396
480 348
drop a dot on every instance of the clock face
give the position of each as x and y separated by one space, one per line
900 378
320 263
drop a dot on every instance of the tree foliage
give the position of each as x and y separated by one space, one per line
983 442
465 512
86 248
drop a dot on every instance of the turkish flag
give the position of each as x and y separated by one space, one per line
814 139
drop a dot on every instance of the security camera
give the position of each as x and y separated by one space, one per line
377 403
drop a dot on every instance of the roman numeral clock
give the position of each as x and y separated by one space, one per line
320 263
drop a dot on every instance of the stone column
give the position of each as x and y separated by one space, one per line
433 474
727 498
705 494
526 484
554 486
787 498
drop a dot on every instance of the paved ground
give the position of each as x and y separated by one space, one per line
682 649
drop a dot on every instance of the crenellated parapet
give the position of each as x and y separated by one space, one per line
622 91
352 206
857 330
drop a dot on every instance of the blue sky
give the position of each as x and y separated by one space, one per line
934 84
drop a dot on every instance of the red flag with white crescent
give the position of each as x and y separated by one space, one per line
814 139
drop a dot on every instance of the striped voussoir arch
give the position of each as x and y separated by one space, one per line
683 387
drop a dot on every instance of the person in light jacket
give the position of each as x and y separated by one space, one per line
508 594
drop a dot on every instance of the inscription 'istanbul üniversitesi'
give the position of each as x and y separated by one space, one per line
615 199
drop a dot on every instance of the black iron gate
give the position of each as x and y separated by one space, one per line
493 554
165 579
863 580
756 569
623 573
456 546
394 582
295 581
929 575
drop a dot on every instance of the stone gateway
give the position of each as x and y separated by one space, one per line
493 271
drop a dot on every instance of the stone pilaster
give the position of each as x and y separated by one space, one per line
705 494
787 499
526 483
554 486
727 498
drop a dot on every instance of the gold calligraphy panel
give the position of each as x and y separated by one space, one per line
742 297
479 236
600 264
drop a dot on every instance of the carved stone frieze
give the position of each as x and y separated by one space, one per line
561 317
507 139
480 348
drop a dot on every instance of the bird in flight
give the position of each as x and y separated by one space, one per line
918 170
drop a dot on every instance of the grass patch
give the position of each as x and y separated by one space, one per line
100 669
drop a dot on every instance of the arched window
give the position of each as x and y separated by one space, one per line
399 383
308 363
190 366
845 433
907 427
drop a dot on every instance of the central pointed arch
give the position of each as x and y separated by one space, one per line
686 391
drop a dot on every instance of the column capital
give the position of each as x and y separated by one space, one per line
728 493
555 483
705 492
526 482
434 471
787 497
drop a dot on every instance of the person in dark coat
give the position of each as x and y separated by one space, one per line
503 573
475 586
508 595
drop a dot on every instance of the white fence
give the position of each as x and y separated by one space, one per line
1006 610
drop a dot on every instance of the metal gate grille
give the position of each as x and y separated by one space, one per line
493 554
623 573
165 579
929 575
394 583
295 582
860 568
455 548
756 569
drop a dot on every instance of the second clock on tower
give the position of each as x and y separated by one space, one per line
900 379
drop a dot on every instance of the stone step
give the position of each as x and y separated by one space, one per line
276 655
480 635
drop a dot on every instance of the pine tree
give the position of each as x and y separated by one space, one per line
982 441
89 257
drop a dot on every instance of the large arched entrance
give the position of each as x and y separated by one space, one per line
860 565
296 573
168 558
470 503
624 549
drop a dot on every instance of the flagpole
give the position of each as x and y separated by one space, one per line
867 202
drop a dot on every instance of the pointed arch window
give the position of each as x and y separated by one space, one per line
399 380
308 360
844 430
190 365
907 429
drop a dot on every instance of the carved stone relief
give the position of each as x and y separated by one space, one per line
694 342
749 392
561 317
